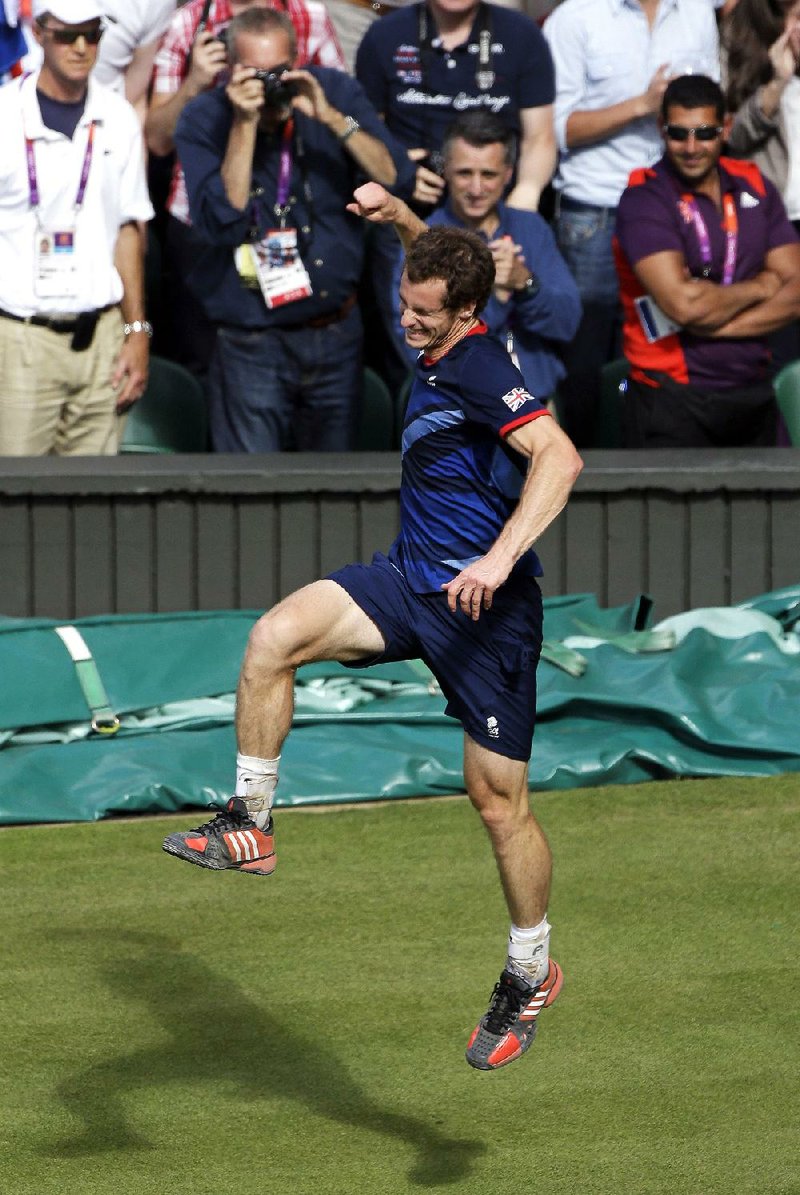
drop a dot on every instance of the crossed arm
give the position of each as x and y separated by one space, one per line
751 308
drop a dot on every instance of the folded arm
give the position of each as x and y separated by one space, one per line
694 303
781 308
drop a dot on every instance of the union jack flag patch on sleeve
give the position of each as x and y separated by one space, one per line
516 398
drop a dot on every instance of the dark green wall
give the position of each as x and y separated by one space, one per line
160 533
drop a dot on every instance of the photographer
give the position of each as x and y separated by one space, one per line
192 59
271 161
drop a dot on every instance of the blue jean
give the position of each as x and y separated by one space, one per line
272 389
584 238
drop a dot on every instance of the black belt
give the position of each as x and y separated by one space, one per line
333 317
320 321
577 205
55 323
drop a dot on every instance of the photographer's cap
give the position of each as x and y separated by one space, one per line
71 12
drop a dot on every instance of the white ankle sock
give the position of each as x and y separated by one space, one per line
529 951
256 780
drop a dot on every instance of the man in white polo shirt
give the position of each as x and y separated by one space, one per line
74 341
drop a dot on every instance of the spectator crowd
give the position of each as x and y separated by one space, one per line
175 181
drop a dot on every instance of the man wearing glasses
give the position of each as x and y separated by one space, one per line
709 265
73 336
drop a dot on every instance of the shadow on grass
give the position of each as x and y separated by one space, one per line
218 1036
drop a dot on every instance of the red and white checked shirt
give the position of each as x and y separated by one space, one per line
317 45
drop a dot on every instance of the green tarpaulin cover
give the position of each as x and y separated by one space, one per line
709 692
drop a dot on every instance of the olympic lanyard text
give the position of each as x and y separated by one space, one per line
730 226
33 182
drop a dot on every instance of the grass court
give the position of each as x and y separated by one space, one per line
169 1030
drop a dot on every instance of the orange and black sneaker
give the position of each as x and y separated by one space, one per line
509 1027
230 841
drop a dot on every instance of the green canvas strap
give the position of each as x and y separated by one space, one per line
104 720
565 658
423 671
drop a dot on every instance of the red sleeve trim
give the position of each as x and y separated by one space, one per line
509 427
640 175
746 170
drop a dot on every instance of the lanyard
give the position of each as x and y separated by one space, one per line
284 173
291 137
730 226
33 182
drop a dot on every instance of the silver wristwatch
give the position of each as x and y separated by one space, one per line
351 126
138 325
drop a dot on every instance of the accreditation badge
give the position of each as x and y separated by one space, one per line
280 271
55 266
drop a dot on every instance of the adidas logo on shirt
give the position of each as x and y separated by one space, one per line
748 200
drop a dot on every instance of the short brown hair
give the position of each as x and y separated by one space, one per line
460 259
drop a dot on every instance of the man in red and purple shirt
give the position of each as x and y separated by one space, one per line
709 265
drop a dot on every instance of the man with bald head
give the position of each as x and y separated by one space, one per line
191 59
271 160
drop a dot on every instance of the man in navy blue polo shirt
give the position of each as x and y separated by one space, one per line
485 471
423 65
709 265
427 63
270 162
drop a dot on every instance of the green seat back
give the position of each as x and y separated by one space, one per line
375 432
171 414
608 416
787 392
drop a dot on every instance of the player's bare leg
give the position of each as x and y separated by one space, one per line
319 622
530 981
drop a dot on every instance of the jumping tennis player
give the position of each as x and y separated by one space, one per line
485 471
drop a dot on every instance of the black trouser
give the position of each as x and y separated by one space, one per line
192 334
673 415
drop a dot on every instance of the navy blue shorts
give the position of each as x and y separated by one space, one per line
486 669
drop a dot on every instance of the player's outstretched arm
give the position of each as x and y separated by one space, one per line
554 468
374 203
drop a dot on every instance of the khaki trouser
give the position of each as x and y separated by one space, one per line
54 401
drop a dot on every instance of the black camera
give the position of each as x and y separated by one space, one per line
434 160
277 93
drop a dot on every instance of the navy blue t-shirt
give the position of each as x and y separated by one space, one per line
420 95
460 480
61 115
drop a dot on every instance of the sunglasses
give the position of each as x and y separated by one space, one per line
68 37
704 132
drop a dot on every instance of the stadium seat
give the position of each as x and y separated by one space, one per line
171 414
403 395
607 431
375 431
787 392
